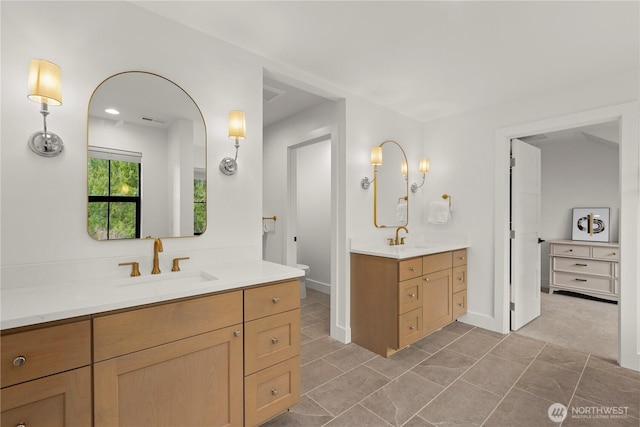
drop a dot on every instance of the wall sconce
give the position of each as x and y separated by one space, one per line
45 88
237 130
423 169
404 169
376 160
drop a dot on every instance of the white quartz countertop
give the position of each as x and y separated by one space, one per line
22 306
411 250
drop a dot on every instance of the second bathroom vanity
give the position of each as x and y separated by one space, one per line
400 295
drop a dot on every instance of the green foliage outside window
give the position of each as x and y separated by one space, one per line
199 206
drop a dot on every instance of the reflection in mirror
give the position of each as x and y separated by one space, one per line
391 188
146 169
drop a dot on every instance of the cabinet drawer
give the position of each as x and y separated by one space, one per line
459 278
459 304
409 327
40 352
460 257
409 295
271 340
606 253
410 268
129 331
570 250
57 400
271 391
271 299
584 266
437 262
587 283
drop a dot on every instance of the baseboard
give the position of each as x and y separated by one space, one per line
318 286
481 321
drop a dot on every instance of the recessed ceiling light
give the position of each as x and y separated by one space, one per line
112 111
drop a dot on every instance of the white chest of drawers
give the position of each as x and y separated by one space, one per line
589 268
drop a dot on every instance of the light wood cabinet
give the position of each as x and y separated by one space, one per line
46 375
397 302
589 268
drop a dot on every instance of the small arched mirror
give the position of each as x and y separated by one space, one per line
146 168
391 188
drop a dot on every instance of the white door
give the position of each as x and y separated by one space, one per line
525 227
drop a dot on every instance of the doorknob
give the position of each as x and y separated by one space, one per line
540 240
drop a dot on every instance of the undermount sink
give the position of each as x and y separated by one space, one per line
170 280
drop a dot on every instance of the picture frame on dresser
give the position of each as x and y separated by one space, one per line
590 224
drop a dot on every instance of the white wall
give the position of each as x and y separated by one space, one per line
576 172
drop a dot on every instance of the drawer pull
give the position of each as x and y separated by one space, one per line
460 304
21 424
461 258
412 269
412 327
19 361
577 264
275 300
412 296
460 279
612 253
580 280
426 279
274 391
236 333
274 340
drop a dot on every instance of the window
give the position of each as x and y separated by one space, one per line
114 194
199 202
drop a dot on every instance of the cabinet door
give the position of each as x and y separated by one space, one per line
55 401
195 381
436 302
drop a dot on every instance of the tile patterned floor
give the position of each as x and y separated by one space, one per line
458 376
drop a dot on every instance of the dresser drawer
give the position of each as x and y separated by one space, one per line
437 262
584 266
570 250
271 340
460 257
409 327
40 352
409 295
410 268
586 283
271 299
271 391
459 278
129 331
606 253
459 304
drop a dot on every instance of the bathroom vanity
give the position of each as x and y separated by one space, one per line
224 356
400 295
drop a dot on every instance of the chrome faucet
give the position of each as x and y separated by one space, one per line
401 241
157 247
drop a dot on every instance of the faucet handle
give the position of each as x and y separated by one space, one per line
391 241
402 240
176 263
135 268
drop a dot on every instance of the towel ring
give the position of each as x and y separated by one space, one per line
446 196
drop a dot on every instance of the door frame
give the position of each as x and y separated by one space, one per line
627 117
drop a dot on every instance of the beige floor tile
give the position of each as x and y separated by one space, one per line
521 409
518 348
350 357
458 328
474 344
317 348
398 363
316 373
569 359
549 382
358 416
306 413
610 390
612 367
436 341
418 422
494 374
444 367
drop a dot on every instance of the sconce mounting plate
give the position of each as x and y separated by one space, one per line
228 166
46 144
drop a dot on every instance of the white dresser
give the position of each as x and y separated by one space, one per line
589 268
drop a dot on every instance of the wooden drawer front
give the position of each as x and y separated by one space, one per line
45 351
582 266
271 299
410 327
409 295
410 268
570 250
459 304
606 253
58 400
459 278
598 284
460 257
271 391
271 340
437 262
122 333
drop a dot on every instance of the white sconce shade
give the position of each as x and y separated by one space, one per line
376 156
44 82
404 168
237 124
424 165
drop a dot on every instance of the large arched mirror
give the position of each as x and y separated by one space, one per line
147 167
390 187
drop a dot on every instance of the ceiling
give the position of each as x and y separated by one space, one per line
428 59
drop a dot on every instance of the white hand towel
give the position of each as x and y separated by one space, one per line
401 211
268 226
439 213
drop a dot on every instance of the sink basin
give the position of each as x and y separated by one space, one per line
167 281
